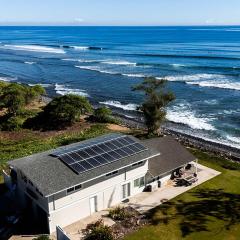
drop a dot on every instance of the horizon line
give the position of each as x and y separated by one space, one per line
106 25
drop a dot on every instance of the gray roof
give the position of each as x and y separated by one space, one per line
50 175
173 155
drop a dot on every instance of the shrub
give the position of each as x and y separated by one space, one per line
15 96
104 115
98 231
12 124
118 213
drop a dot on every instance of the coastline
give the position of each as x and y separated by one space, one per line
188 140
220 149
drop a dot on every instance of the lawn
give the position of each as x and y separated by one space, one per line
209 211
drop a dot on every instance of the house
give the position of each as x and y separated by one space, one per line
67 184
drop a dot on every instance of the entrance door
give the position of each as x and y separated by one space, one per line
93 204
126 190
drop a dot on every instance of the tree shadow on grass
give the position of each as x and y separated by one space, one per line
196 215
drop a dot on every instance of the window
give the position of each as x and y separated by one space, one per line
136 183
137 164
139 182
78 187
70 190
112 173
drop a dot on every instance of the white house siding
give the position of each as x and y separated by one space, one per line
22 191
76 206
163 181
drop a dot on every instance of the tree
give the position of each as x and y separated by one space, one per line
33 93
156 101
65 110
13 98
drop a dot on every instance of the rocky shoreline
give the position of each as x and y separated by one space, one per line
189 140
186 139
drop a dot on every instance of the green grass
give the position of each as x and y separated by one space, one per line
210 211
31 143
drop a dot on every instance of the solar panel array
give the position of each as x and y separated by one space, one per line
88 157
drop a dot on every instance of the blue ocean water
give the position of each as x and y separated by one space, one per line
201 65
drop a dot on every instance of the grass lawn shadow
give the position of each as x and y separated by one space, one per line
196 215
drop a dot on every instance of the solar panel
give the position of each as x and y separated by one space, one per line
93 162
77 168
67 159
98 153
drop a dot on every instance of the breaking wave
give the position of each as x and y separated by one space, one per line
63 90
97 69
83 48
120 63
206 80
8 79
117 104
30 63
82 60
34 48
41 84
233 139
183 114
217 84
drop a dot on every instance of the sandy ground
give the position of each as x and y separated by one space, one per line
115 127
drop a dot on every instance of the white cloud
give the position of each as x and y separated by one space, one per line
79 20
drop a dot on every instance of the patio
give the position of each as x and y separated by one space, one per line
143 202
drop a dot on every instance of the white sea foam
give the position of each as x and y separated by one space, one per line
233 139
34 48
177 65
96 69
137 75
206 80
120 63
217 84
30 63
211 102
41 84
194 77
117 104
183 113
230 111
63 90
8 79
70 59
82 48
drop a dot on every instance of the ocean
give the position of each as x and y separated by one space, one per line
201 66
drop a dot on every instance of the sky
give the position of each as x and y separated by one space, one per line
119 12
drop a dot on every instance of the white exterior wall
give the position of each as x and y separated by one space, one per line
163 181
75 206
21 191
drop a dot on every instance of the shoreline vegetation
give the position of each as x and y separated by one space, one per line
137 124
